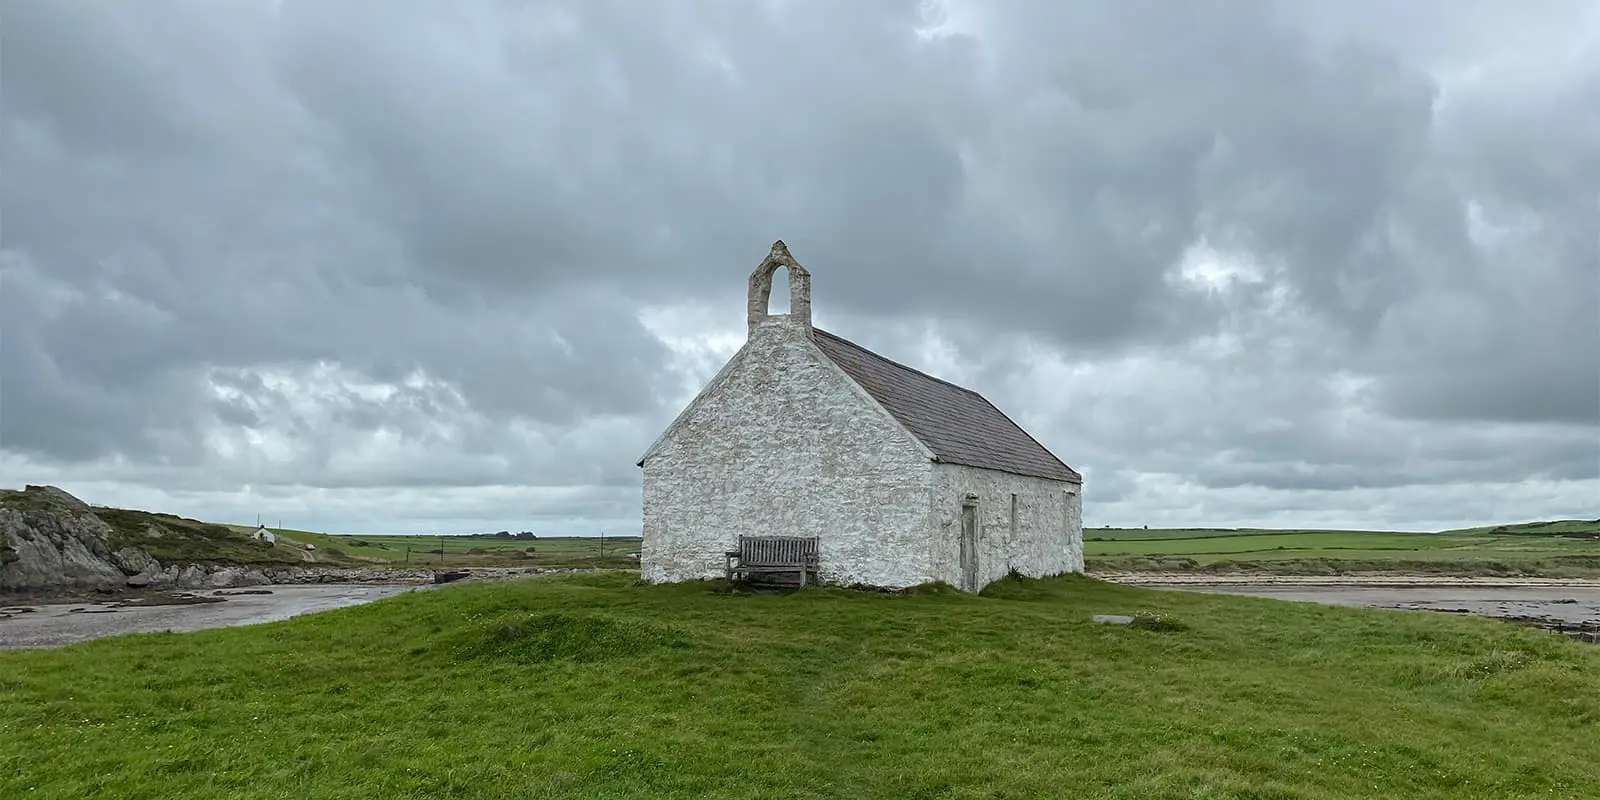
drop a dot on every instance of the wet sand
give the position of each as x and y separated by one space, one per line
1560 603
53 624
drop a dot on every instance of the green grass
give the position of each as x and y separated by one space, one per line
590 687
460 551
1566 548
1587 528
172 539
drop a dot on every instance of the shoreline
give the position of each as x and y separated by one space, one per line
334 576
1568 607
1374 581
58 624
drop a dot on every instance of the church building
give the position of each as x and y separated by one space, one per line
904 478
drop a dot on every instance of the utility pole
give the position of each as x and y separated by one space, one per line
602 542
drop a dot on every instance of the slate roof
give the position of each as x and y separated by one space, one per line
959 425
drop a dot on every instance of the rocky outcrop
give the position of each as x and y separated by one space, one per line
50 540
52 543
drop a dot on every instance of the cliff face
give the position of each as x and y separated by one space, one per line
52 542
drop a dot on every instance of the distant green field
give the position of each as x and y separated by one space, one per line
402 549
1560 548
1552 527
1563 548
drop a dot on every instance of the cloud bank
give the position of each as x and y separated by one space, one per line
415 267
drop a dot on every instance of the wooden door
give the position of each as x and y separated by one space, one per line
969 547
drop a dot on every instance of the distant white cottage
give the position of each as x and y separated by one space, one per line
262 534
903 477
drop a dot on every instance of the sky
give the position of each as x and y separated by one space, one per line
409 266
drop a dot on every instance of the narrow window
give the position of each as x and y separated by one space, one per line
1013 516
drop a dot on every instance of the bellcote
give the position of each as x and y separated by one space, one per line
760 296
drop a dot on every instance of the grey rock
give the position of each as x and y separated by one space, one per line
54 541
1113 619
143 580
193 576
232 577
224 578
133 561
55 496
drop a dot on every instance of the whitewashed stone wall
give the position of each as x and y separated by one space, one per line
786 444
1047 539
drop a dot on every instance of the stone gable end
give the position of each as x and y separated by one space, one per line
785 443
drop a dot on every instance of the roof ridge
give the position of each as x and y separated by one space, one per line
905 367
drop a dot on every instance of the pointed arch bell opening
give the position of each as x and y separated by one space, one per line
760 291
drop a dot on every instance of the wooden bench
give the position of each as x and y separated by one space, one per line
774 557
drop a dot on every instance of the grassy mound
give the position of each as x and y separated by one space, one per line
536 638
588 686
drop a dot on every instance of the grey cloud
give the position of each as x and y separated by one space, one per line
485 193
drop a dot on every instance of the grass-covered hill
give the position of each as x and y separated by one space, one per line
173 539
592 687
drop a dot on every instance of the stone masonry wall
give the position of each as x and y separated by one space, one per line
786 444
1048 539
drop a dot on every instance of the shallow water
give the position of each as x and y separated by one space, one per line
51 624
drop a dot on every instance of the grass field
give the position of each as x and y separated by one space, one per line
1567 548
461 551
587 686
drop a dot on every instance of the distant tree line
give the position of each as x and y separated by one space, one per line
503 535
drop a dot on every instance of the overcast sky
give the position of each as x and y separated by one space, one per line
415 266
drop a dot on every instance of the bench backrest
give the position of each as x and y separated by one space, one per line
777 550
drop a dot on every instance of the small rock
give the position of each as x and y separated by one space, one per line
1113 619
134 562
